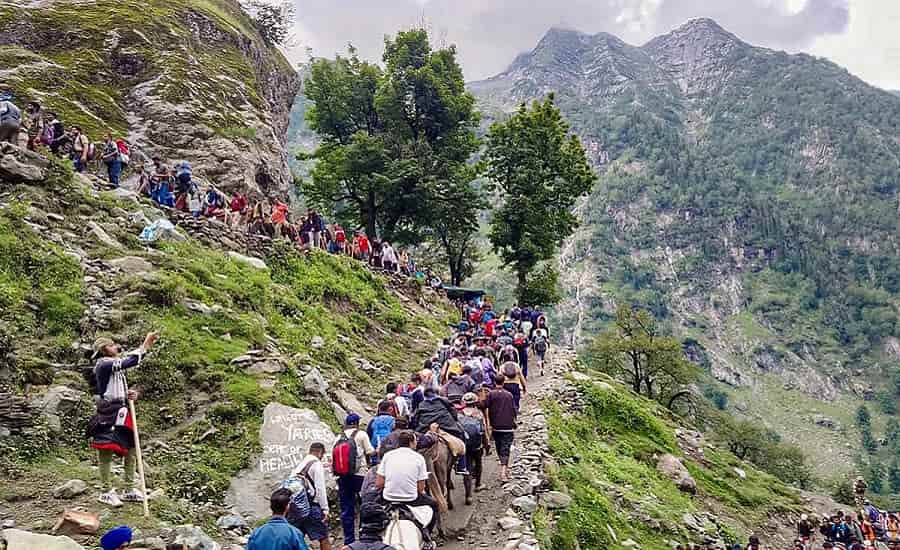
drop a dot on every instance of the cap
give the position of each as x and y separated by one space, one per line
99 344
352 419
470 398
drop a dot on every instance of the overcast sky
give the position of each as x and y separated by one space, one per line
861 35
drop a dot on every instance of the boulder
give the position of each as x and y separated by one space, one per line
315 383
268 366
70 489
231 522
17 539
554 500
349 402
193 538
57 402
132 265
102 236
317 342
11 169
285 437
150 543
255 262
508 522
671 467
526 503
75 522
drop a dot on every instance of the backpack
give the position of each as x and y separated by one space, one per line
124 152
47 135
474 429
381 427
519 340
540 343
300 500
510 369
344 455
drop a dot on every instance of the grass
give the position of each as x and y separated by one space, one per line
606 460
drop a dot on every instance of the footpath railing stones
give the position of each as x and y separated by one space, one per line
528 481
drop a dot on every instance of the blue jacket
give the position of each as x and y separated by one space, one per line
277 534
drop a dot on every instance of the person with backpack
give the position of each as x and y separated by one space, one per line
277 533
112 157
54 134
34 122
502 412
513 381
520 342
110 428
81 149
539 345
10 120
349 465
477 444
312 471
380 426
396 396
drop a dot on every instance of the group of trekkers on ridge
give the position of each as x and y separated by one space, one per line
864 528
462 404
177 188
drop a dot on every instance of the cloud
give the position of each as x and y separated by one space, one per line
490 33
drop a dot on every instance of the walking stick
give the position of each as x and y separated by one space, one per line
140 459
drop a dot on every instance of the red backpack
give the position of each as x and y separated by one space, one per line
343 456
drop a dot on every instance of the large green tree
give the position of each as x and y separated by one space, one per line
635 350
396 146
541 170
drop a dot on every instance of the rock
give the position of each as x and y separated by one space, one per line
339 412
579 376
317 342
740 473
554 500
193 538
56 403
70 489
628 543
23 540
255 262
285 437
352 404
73 522
231 522
603 386
691 522
826 422
267 367
126 194
671 467
198 307
507 523
8 524
241 359
11 169
525 503
102 236
151 543
132 265
314 383
155 494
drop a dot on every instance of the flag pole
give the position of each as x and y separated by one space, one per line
140 458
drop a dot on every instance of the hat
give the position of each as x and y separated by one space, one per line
99 344
352 419
116 537
803 517
469 398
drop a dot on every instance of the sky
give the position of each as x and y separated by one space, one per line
861 35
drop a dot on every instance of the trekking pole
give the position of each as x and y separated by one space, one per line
140 459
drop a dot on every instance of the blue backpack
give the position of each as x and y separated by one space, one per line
382 425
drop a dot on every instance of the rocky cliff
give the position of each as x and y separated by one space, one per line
184 80
749 199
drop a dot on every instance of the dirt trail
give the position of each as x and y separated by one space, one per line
475 526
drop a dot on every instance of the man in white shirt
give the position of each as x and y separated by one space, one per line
310 469
402 476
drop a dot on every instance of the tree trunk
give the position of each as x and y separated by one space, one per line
522 276
370 215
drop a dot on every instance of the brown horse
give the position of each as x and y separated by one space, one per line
439 461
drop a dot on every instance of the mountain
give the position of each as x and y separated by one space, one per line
749 199
179 79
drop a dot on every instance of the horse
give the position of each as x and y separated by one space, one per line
439 461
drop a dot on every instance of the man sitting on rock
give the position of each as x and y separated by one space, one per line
111 428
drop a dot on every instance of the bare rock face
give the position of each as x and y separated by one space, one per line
671 467
192 81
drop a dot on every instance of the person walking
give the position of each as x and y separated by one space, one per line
112 158
502 412
81 149
277 533
477 444
315 525
110 428
350 484
35 124
10 120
